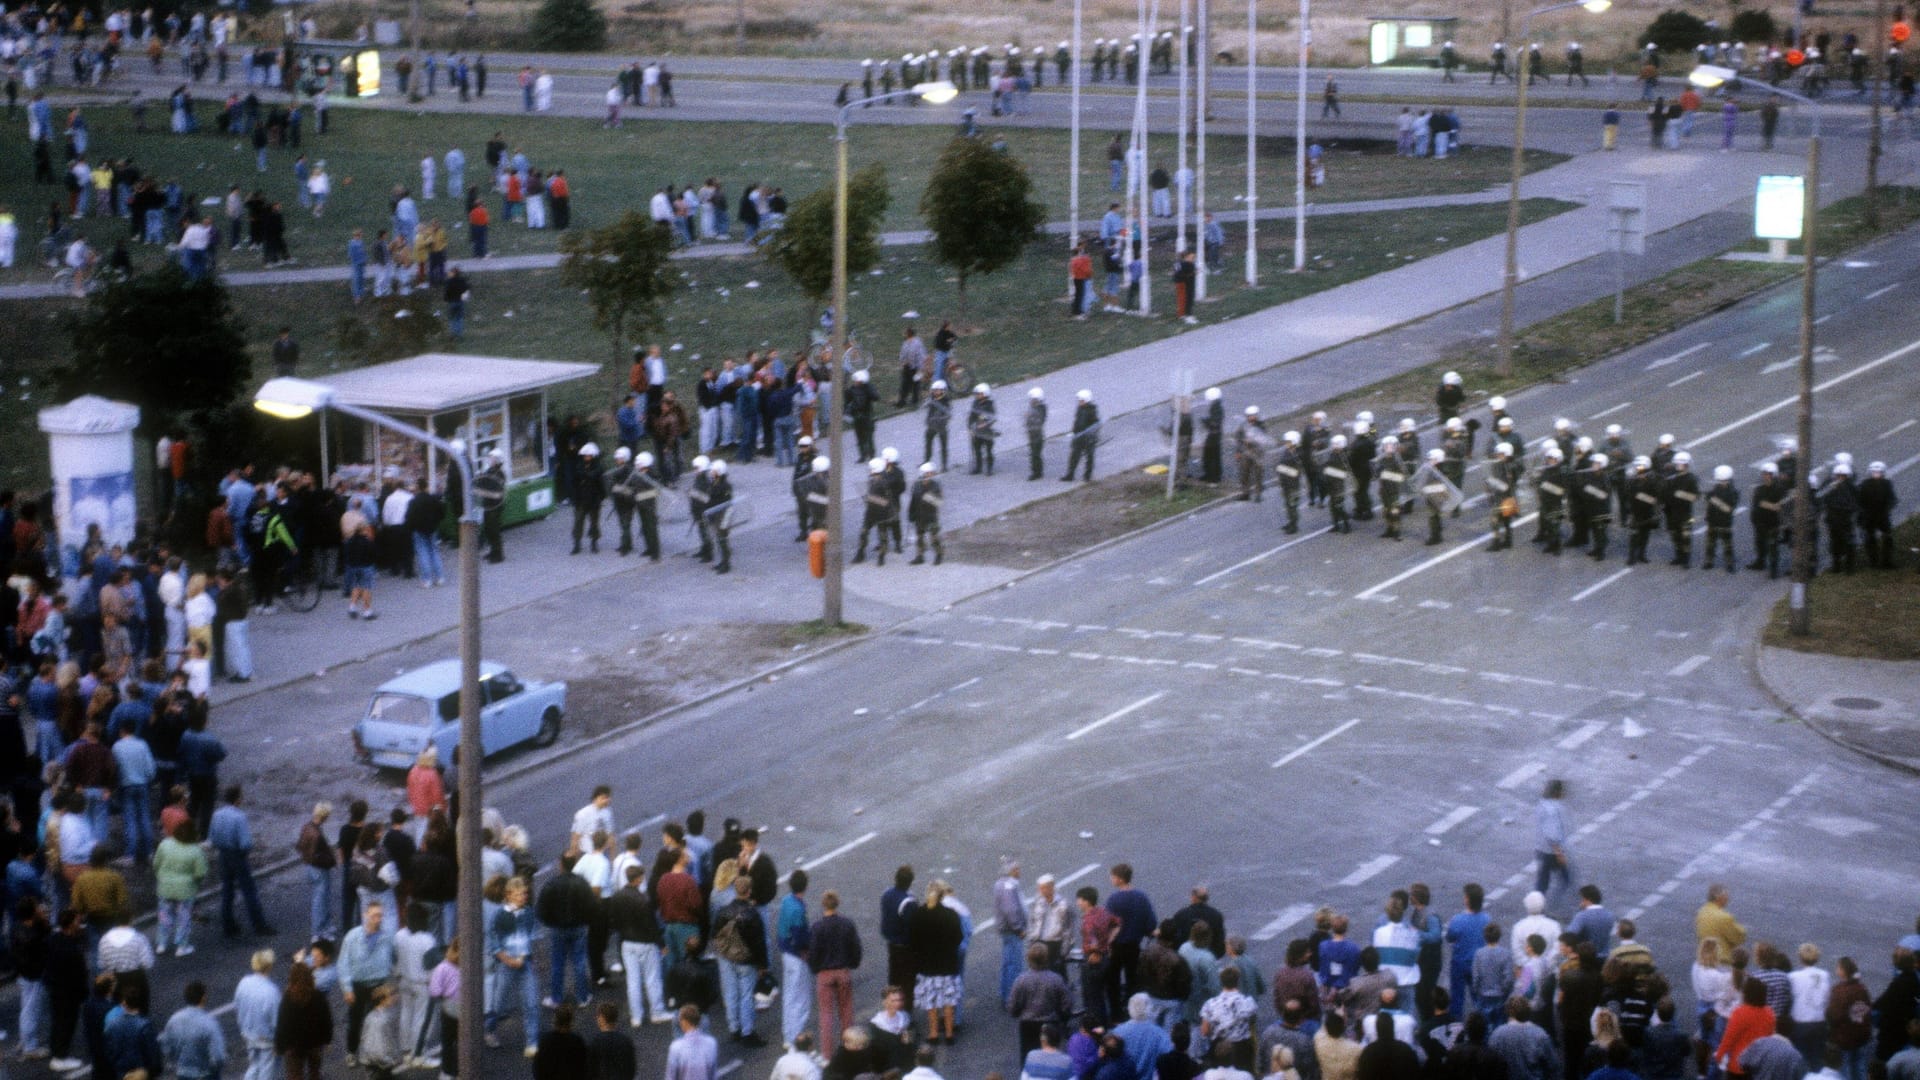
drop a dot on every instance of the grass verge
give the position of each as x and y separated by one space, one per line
1869 614
813 630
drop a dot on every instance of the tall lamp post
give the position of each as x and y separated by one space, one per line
831 608
1512 276
1300 143
293 399
1799 615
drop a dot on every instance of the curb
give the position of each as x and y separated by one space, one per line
1756 670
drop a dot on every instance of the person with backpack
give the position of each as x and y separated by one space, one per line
740 944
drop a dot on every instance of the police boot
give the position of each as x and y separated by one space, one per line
706 554
593 546
880 557
1433 530
919 551
860 556
576 548
939 553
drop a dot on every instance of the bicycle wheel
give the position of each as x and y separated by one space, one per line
302 590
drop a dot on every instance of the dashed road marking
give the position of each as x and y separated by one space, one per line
1896 429
810 864
1454 817
1116 714
1610 411
1601 584
1677 357
1685 379
1369 869
1579 738
1282 922
1267 554
1316 742
1750 350
1520 776
1688 666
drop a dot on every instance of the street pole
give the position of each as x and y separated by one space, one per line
1873 128
1300 146
1800 619
1253 255
473 1005
1185 39
1504 364
830 612
1200 148
1073 149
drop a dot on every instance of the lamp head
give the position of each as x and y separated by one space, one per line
292 399
937 93
1597 6
1710 76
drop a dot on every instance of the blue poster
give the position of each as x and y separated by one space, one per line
106 501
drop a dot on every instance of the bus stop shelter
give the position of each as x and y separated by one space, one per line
1407 39
487 402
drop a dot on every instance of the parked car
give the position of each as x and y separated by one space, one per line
422 707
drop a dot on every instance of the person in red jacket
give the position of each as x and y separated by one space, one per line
1751 1021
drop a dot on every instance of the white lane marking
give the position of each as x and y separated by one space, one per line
222 1010
1270 552
1440 558
1688 666
1304 749
1580 737
1685 379
638 827
1896 429
1822 319
1520 776
1896 470
1117 714
1845 376
1601 584
1369 869
981 928
810 864
1454 817
1282 922
1611 411
1881 291
1762 347
1077 875
728 1069
1679 356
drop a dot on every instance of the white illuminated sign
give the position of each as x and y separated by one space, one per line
1778 203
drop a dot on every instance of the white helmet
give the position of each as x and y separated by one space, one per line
1389 443
805 440
1339 442
1788 446
701 462
1436 455
821 463
1583 444
1598 461
1683 459
1554 453
1723 473
889 455
1291 438
939 384
927 469
622 454
860 375
1843 457
1364 416
982 388
1843 469
1643 462
719 468
590 450
1407 424
1037 394
1451 378
1319 417
1770 469
876 466
1084 395
1877 467
1666 440
1563 424
1496 403
1614 431
1456 424
644 460
496 454
1213 393
1359 427
1253 410
459 445
1504 423
1504 449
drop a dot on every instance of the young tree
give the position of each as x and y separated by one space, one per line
160 340
569 26
803 244
1676 31
979 205
626 272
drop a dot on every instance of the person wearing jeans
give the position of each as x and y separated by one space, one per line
566 908
795 939
632 916
134 761
738 976
510 967
30 940
366 965
232 840
424 515
318 855
179 866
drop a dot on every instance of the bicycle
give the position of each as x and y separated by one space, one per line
299 588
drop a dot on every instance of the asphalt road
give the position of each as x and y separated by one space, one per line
1319 719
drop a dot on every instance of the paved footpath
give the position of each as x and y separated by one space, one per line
1869 706
1282 358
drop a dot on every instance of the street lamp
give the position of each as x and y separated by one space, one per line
294 399
1800 616
939 93
1512 277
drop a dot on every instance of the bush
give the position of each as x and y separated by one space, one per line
569 26
1753 25
1676 31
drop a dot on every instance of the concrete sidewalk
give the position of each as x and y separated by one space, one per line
1290 355
1871 707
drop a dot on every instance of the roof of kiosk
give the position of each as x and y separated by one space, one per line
437 382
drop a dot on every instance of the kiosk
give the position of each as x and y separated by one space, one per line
487 402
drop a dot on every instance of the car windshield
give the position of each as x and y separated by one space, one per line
400 709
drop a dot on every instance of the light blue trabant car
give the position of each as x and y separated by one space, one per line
422 707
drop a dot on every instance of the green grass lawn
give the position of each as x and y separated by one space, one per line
1016 325
369 151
